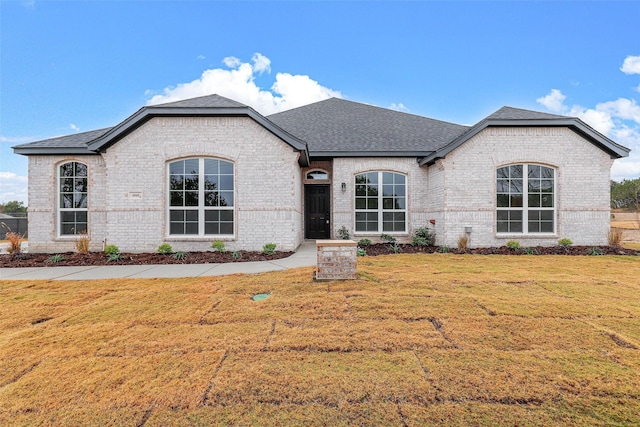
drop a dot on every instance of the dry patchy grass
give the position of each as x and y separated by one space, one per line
415 340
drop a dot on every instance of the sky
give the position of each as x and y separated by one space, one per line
75 66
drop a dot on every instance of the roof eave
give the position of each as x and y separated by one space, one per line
369 153
34 151
615 150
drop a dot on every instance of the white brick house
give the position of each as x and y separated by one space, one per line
209 168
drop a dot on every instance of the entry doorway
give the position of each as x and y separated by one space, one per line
317 221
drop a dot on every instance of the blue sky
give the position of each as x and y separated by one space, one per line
76 66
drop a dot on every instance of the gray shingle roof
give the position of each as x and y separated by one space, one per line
76 141
510 113
336 126
208 101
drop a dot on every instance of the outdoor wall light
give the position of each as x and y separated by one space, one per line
468 229
344 187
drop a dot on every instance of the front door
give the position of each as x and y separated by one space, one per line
316 211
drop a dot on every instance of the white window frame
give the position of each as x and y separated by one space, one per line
525 209
59 208
201 208
380 210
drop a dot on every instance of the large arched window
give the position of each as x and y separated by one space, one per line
201 197
381 202
72 202
525 196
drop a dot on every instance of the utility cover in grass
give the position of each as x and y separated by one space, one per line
260 297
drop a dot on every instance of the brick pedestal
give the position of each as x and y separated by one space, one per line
336 260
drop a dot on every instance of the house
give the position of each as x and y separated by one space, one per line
210 168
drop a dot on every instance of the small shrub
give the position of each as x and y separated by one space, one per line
114 257
82 243
531 251
463 242
423 237
112 250
344 233
615 236
15 240
363 243
236 255
165 249
514 245
442 249
387 238
218 246
269 249
595 251
179 256
361 252
54 259
395 249
565 242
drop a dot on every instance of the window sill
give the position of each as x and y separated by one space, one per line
185 238
526 236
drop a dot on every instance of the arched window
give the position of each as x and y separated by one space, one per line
72 202
381 202
317 174
525 199
201 197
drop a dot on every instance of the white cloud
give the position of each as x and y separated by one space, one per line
399 107
74 128
619 120
13 187
631 65
553 101
238 83
201 57
16 140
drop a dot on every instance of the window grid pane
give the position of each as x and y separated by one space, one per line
73 197
527 190
380 202
205 188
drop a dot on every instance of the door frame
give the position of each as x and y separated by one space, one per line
327 228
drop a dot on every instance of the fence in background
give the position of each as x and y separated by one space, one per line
16 222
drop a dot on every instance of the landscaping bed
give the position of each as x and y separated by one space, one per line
99 258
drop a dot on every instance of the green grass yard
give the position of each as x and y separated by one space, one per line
416 340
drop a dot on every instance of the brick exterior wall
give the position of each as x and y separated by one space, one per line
582 185
128 187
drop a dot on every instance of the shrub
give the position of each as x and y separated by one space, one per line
361 252
269 249
395 249
236 255
615 236
531 251
82 243
15 240
364 243
387 238
53 259
111 250
463 242
514 245
423 237
565 242
442 249
218 246
165 249
344 233
179 255
595 251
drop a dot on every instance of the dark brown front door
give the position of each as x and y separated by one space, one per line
316 211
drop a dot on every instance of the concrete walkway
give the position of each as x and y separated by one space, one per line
305 256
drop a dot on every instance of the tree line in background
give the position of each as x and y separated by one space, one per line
626 194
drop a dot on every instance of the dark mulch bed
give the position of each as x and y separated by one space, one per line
384 249
99 258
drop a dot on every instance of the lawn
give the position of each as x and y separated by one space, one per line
417 340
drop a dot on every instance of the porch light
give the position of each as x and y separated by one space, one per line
344 187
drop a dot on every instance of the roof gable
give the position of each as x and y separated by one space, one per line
515 117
